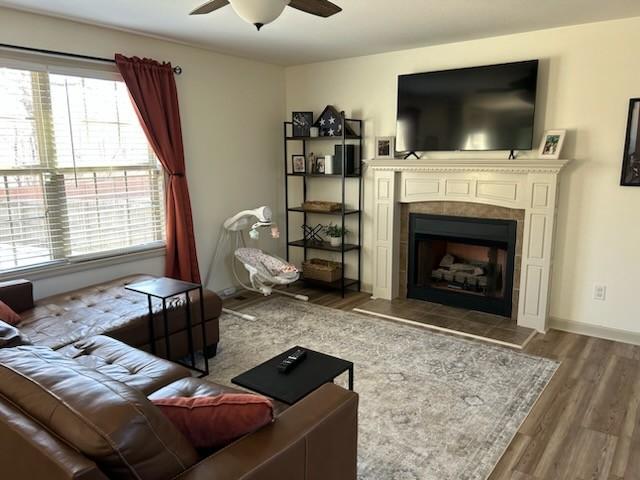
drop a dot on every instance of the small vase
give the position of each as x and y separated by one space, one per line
335 241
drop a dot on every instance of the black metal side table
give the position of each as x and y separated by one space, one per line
164 288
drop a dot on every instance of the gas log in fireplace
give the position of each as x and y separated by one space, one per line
462 262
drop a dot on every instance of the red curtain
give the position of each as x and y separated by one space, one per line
152 88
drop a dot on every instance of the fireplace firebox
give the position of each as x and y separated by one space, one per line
462 262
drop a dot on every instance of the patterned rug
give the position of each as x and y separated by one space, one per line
432 407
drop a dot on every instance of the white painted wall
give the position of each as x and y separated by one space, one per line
231 111
587 75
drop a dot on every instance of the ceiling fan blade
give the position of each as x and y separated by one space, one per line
210 7
321 8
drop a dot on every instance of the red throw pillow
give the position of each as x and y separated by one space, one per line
8 315
215 421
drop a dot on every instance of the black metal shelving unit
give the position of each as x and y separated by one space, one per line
347 180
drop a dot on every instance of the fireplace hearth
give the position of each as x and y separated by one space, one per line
463 262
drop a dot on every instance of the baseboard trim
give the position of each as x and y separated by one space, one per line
598 331
447 330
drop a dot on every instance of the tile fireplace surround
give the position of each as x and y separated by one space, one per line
525 185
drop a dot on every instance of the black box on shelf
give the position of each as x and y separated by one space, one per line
353 166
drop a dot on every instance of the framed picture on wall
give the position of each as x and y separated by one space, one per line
551 144
631 160
385 147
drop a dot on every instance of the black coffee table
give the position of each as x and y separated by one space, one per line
316 370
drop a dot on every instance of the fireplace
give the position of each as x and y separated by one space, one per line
527 187
463 262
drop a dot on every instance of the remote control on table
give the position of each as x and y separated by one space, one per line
292 360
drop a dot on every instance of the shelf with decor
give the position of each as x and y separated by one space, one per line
322 175
348 211
335 285
324 246
319 138
345 167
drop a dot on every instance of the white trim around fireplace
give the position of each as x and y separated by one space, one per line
528 184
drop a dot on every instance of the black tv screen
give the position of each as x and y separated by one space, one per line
479 108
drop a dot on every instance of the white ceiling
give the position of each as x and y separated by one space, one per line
364 27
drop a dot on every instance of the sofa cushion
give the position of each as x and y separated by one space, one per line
197 387
191 387
111 423
109 308
216 421
125 364
8 315
31 452
10 336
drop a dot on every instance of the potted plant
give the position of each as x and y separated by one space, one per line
336 233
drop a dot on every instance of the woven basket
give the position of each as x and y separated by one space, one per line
323 270
318 206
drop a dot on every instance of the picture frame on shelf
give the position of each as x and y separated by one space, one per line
320 165
630 176
551 144
385 147
298 164
302 123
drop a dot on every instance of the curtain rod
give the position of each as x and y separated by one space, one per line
177 69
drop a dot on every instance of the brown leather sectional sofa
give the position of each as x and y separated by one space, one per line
111 310
82 410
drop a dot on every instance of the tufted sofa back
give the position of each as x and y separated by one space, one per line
101 419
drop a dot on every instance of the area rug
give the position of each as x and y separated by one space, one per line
432 406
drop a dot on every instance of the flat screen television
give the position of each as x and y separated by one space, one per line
479 108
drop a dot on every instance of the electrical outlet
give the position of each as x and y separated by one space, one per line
600 292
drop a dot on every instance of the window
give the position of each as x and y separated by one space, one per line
78 178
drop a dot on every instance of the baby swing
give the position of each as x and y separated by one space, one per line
265 271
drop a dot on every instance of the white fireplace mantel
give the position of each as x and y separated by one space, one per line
527 184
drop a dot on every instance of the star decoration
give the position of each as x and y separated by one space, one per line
330 123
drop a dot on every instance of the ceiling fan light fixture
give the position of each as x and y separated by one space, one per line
259 12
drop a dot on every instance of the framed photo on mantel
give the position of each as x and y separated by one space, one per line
631 159
551 144
385 147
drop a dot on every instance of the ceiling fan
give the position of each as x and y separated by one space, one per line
261 12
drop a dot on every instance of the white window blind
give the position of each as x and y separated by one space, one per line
78 178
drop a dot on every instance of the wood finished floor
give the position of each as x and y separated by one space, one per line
586 424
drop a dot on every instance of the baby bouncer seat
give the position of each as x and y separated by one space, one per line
266 271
